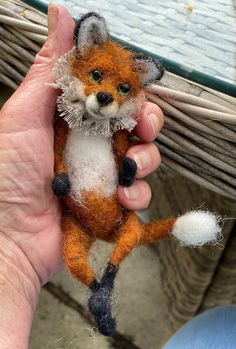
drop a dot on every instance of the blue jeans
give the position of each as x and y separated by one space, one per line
213 329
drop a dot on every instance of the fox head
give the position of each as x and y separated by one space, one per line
102 83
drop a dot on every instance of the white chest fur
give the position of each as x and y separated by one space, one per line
90 164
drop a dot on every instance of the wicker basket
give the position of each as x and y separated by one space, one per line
199 136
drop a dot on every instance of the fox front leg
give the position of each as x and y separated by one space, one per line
61 185
127 172
127 167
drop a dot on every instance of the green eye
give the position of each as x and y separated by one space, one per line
124 89
96 75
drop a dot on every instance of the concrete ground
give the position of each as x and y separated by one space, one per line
62 320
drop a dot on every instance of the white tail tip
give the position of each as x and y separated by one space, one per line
196 228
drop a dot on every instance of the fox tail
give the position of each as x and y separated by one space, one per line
194 228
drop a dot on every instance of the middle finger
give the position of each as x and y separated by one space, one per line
147 158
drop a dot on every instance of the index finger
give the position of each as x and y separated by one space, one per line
150 122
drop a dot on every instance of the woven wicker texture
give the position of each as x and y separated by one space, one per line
198 140
222 288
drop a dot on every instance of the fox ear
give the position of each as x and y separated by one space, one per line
90 30
149 69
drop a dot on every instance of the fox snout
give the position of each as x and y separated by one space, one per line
101 105
104 98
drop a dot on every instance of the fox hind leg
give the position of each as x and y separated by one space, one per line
101 299
76 247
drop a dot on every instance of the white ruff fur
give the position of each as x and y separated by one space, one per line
90 164
78 110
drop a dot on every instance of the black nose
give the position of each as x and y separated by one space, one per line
104 98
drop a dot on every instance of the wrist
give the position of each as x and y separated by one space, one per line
19 291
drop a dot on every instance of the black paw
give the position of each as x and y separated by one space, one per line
61 185
100 302
101 298
127 172
106 325
100 306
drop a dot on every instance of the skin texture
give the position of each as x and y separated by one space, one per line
30 229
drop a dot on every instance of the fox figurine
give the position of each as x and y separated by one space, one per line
102 88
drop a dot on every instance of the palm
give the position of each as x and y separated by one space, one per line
29 211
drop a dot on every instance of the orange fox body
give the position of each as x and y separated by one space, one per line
102 92
96 213
92 163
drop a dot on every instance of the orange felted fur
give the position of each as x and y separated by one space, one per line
109 57
101 218
102 92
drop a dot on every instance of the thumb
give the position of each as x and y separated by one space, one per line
34 97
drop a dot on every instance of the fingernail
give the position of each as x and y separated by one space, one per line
154 121
143 160
52 18
131 193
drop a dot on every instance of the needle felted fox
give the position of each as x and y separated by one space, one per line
102 92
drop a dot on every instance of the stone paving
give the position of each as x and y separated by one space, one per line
200 34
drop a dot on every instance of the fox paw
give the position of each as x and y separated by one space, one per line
61 185
100 306
106 325
127 172
100 302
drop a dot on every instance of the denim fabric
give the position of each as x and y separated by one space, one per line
213 329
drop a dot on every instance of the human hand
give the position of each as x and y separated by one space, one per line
30 214
30 229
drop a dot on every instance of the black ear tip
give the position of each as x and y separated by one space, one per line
150 68
83 18
90 14
160 69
